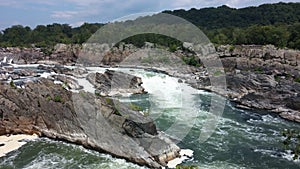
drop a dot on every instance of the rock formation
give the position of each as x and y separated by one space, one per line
112 83
261 77
99 123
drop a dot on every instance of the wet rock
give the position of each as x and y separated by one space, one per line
47 109
67 82
112 83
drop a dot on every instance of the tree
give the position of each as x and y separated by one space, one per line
16 35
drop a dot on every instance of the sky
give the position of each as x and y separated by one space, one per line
76 12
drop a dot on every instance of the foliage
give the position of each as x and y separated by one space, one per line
258 70
276 24
109 101
46 36
224 16
191 60
292 141
116 112
186 167
135 107
58 98
218 73
97 93
49 98
12 84
157 39
297 79
277 78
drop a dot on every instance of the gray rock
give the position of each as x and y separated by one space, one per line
94 122
113 83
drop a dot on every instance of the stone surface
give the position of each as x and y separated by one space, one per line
112 83
49 110
261 77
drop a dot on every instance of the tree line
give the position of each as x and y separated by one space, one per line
46 36
277 24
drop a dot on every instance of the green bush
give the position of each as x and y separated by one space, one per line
57 98
231 48
297 79
186 167
258 70
109 101
191 60
49 98
12 84
135 107
116 112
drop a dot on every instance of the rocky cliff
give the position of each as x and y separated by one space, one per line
60 54
99 123
263 77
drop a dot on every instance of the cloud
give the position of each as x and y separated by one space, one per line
23 3
64 14
74 11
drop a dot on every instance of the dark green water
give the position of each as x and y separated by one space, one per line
242 139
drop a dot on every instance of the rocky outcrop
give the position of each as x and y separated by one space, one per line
22 55
98 123
259 77
65 54
60 54
260 59
112 83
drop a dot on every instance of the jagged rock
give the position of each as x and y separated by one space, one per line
94 122
57 69
67 82
112 83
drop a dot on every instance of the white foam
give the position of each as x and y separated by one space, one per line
185 154
4 59
46 74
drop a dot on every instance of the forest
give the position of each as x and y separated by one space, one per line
277 24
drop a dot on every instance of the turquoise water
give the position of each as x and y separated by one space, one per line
242 139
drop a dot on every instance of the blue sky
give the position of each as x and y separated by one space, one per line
76 12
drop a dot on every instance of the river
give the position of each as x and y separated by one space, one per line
242 139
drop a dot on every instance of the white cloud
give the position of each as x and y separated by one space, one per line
17 3
8 2
74 11
64 14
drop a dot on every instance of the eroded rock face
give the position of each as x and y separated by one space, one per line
61 53
94 122
112 83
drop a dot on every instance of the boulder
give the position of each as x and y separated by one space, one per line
112 83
